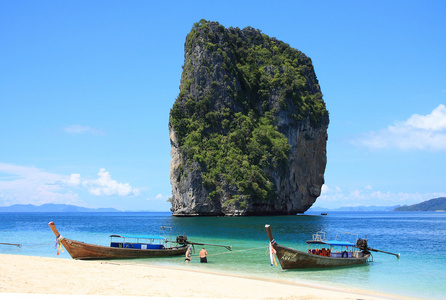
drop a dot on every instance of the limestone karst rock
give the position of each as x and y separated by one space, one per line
249 127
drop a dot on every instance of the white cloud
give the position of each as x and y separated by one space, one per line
106 186
435 121
422 132
73 180
367 196
159 197
79 129
30 185
325 189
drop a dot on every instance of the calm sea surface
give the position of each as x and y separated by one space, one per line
419 237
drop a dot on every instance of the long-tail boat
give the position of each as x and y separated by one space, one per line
322 253
126 247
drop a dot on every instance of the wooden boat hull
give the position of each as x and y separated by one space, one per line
80 250
294 259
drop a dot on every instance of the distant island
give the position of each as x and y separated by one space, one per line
52 208
437 204
354 208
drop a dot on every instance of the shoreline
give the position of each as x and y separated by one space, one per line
33 276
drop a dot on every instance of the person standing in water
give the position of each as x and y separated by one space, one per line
188 255
203 254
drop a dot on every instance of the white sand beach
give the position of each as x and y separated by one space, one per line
30 276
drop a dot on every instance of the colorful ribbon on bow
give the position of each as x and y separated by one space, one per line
58 244
272 255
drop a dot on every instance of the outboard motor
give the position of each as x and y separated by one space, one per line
362 244
182 239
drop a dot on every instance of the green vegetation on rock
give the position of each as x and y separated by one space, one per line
234 84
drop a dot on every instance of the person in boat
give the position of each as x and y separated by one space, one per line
188 255
327 252
203 254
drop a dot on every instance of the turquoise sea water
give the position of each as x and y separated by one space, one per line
420 238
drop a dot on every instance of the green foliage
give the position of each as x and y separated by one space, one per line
240 157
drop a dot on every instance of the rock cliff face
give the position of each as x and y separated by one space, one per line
249 127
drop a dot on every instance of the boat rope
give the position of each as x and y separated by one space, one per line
236 251
38 245
26 246
10 244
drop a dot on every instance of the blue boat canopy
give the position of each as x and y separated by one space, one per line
339 243
147 237
319 239
332 243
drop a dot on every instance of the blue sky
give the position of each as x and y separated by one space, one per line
86 88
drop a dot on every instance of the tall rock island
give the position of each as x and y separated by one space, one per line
249 127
